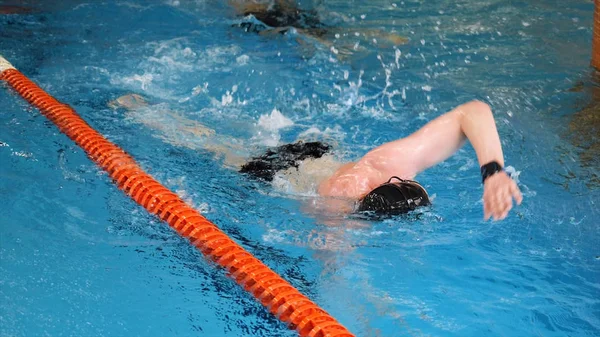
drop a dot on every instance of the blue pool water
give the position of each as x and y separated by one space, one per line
79 258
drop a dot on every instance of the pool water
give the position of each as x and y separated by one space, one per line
78 257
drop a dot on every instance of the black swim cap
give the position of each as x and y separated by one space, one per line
393 198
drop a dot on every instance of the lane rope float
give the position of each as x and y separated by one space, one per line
271 290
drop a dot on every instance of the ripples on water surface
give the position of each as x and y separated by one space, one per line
79 258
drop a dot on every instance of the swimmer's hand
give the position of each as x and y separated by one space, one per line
499 191
129 102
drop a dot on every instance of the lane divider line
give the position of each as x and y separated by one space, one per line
271 290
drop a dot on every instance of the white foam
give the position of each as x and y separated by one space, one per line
331 136
311 131
176 58
242 59
274 121
268 126
274 235
172 63
144 80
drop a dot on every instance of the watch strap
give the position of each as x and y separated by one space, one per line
490 169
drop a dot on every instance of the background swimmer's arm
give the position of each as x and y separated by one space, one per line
245 7
289 6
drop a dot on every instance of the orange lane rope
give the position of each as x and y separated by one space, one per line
270 289
596 38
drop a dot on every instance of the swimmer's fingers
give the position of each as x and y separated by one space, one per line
506 199
516 193
488 203
487 213
505 204
498 205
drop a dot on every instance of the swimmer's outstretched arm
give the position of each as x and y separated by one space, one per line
441 138
178 130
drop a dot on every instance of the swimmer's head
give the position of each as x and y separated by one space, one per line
394 197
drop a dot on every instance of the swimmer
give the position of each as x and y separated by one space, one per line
279 16
382 181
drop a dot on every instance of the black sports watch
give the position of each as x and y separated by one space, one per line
490 169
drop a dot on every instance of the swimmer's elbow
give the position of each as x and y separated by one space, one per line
474 115
475 107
